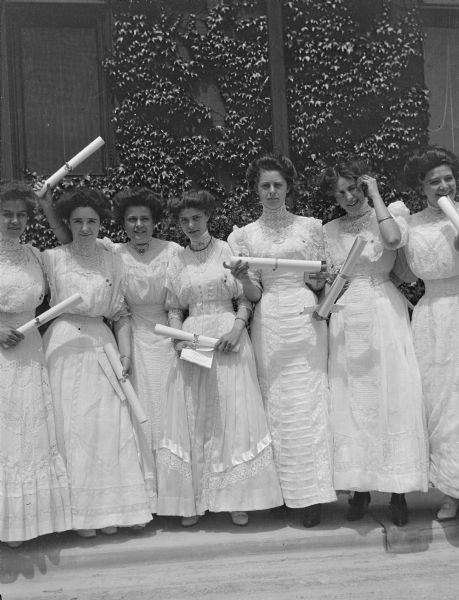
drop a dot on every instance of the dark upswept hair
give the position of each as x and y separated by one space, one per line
424 160
137 196
82 197
197 199
17 190
272 162
349 169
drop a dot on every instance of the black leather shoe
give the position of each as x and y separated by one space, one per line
312 514
280 512
399 510
358 505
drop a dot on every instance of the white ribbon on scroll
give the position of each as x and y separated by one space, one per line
198 341
307 266
70 165
325 307
53 312
449 208
132 398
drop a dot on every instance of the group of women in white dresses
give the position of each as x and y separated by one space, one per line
283 417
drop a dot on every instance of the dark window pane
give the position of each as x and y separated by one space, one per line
60 89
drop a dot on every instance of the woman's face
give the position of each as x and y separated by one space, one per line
84 223
138 224
439 182
350 197
193 222
13 218
272 189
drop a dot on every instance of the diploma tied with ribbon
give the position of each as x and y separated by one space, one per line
53 312
306 266
69 166
326 306
131 397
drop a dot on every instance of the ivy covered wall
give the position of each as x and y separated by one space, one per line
191 97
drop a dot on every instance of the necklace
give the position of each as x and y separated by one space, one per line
140 249
197 249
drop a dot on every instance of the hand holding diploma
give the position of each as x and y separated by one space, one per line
132 398
325 307
197 341
449 209
70 165
53 312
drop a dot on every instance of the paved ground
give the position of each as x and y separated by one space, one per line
270 559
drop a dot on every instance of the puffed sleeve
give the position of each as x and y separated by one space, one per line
118 305
175 302
401 215
238 243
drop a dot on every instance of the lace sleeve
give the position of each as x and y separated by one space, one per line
238 243
401 215
174 297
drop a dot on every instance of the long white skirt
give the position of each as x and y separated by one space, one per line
95 433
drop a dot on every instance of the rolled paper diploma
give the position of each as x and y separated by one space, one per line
307 266
53 312
71 164
178 334
449 208
132 398
325 307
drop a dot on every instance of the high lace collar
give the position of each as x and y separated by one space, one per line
201 243
276 218
84 249
356 223
8 245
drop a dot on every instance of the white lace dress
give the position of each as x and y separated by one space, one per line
152 355
432 257
291 355
216 436
34 495
95 432
377 414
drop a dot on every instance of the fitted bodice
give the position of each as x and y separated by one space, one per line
202 287
98 278
300 239
145 273
21 275
376 260
430 251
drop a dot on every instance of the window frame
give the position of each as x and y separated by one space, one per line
64 14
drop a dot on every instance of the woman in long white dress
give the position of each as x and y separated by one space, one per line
34 495
215 432
95 432
146 259
377 413
432 254
290 347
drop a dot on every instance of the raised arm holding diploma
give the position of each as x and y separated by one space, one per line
53 312
68 167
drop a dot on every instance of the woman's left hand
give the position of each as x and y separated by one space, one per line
228 341
369 186
126 362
